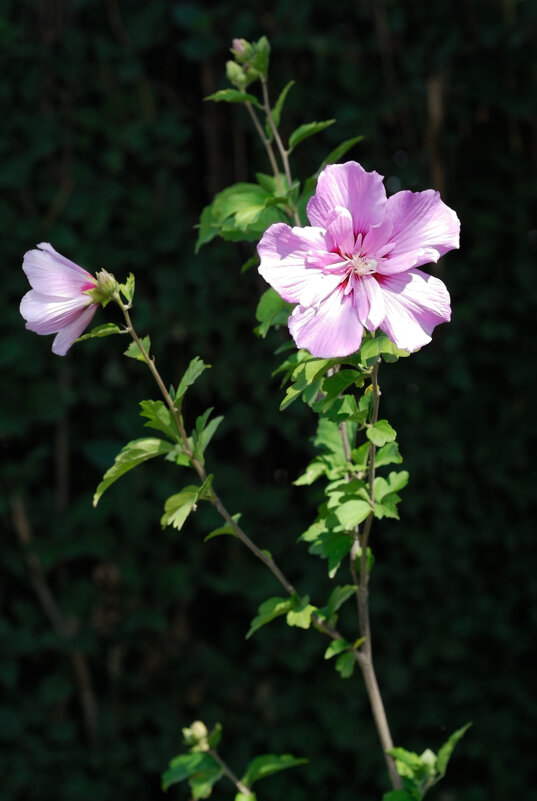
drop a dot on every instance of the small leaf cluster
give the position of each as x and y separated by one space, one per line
202 767
182 451
420 772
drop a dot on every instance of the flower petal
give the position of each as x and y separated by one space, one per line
424 228
47 315
332 329
52 274
350 186
340 231
292 262
415 303
66 336
369 288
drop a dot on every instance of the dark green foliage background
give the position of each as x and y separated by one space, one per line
109 153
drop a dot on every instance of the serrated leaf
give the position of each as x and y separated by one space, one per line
388 454
300 614
160 418
184 766
134 352
339 151
272 310
192 373
268 764
313 471
233 96
227 529
104 330
131 455
203 433
307 130
127 289
445 752
353 512
178 507
380 433
268 610
345 664
336 647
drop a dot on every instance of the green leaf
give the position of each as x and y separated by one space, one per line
379 345
380 433
178 507
184 766
370 560
400 795
133 454
444 753
335 384
160 418
268 610
233 96
335 548
339 151
304 131
127 289
336 647
313 471
345 664
353 512
303 376
300 614
272 310
203 433
338 596
201 784
215 736
277 110
193 372
134 352
251 262
227 529
388 454
267 764
104 330
243 797
393 483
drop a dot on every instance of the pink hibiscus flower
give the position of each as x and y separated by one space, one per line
355 266
56 304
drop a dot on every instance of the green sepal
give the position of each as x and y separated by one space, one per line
134 352
268 764
305 131
178 507
104 330
131 455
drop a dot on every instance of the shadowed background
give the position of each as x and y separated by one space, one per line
115 634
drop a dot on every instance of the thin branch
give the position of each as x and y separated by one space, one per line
283 152
214 498
63 628
268 147
229 773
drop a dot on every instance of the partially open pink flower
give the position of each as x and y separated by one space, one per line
56 304
355 266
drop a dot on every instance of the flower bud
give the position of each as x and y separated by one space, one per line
195 736
238 46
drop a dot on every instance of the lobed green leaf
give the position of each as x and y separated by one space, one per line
134 352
